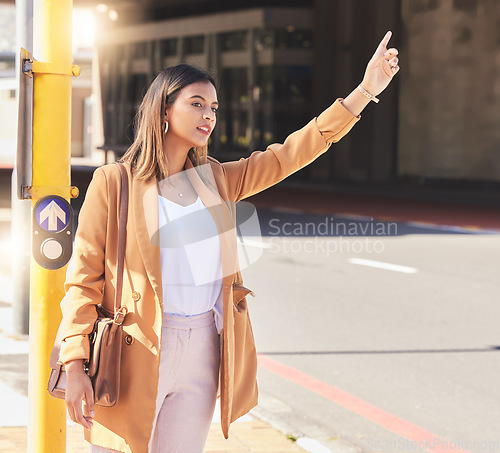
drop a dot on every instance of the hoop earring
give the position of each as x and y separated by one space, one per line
166 126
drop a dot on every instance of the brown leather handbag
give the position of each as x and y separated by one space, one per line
103 366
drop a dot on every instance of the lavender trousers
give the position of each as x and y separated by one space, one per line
187 386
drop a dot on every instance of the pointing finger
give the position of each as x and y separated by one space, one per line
383 44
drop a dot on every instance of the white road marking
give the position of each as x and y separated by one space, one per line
387 266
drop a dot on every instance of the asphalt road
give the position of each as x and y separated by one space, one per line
418 346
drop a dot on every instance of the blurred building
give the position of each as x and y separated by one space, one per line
279 64
282 62
263 59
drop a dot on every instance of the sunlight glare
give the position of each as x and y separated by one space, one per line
83 28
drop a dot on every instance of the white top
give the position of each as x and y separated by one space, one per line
191 265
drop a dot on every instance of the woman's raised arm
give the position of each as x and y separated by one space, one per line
263 169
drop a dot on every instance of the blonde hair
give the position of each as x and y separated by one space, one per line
145 155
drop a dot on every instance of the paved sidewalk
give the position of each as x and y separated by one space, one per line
248 436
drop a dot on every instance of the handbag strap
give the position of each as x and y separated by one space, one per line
122 237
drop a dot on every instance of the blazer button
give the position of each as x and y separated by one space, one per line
129 339
136 295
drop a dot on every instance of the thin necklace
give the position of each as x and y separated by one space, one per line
168 180
180 194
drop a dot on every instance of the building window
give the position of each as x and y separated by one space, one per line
194 44
234 41
168 47
283 38
233 115
264 39
292 84
138 50
136 89
291 38
283 103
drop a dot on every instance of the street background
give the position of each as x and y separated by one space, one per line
389 334
376 307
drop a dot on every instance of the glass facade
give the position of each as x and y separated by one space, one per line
122 92
137 86
283 38
264 39
138 50
284 94
232 119
168 47
194 45
260 103
290 38
234 41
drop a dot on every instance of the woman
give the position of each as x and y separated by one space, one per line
188 334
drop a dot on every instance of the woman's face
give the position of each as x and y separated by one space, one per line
191 118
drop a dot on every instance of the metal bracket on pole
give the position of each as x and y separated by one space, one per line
30 192
37 67
24 123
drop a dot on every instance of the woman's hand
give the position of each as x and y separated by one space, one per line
79 389
381 68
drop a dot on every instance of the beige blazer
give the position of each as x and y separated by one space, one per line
91 277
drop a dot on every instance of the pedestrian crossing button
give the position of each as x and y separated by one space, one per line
51 249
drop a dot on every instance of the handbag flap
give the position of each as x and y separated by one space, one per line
54 356
99 339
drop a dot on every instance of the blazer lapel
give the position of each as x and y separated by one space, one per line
145 211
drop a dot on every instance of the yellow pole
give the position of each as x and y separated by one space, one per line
52 21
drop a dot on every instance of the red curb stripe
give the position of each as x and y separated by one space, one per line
425 439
